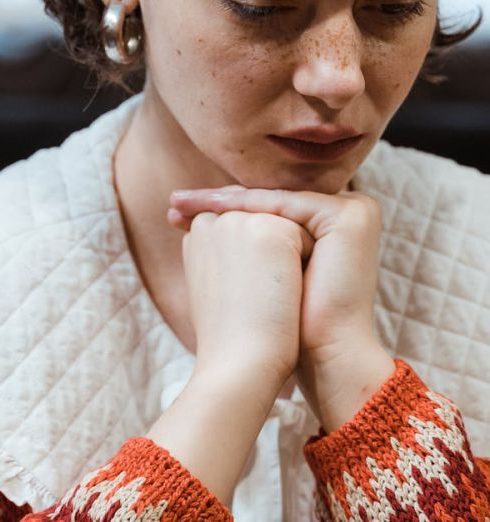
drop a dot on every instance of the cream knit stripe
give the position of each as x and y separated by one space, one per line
430 467
127 495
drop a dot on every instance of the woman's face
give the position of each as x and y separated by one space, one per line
235 73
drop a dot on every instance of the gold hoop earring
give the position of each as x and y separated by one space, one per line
122 35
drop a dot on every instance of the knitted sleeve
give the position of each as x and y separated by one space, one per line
403 457
10 512
143 482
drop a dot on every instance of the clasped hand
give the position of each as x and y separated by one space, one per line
282 281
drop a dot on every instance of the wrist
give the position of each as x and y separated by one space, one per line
257 385
344 378
212 425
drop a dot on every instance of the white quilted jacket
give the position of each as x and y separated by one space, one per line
86 361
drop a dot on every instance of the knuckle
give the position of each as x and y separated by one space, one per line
268 230
230 219
202 221
375 211
373 204
262 230
249 226
364 212
260 227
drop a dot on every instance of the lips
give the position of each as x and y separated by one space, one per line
323 135
317 144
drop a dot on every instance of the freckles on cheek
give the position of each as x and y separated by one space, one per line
247 68
392 69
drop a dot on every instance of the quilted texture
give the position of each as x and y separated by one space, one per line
433 299
84 351
85 356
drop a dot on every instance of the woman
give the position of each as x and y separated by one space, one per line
268 115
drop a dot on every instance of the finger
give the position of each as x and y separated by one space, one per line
184 194
185 223
312 210
177 220
308 243
232 188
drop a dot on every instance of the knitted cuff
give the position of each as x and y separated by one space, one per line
142 482
164 481
370 435
405 454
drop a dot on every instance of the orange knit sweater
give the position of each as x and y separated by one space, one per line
403 457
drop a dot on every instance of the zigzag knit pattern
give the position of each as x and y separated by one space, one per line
142 483
405 456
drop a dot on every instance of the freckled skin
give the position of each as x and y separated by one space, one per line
325 62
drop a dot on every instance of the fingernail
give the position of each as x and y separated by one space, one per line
182 194
172 213
232 188
217 196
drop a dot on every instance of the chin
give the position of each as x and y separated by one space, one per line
316 177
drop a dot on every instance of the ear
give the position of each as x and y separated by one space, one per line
130 5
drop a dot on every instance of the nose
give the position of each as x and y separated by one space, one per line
330 65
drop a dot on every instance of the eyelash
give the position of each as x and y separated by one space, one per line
403 12
249 12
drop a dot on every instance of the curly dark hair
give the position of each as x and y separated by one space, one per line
81 22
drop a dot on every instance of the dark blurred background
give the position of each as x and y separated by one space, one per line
44 96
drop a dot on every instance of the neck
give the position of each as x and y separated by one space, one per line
153 158
158 156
